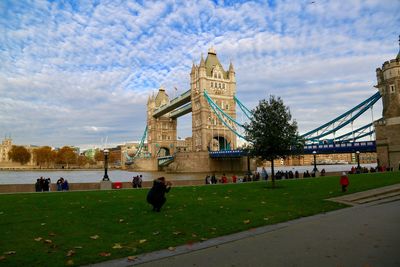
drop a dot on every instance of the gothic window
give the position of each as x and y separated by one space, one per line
215 75
211 84
391 88
223 86
219 75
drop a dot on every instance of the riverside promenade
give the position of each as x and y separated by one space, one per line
365 234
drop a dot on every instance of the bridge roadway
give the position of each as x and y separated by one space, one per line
173 104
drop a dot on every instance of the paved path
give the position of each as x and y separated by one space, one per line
366 235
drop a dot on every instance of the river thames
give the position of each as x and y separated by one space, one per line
90 176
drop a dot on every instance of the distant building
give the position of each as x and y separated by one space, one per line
5 147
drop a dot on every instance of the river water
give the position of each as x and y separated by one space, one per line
88 176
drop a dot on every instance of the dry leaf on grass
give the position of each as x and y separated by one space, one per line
194 235
70 253
52 234
105 254
203 239
38 239
266 219
142 241
94 237
69 263
117 246
199 198
48 241
78 247
121 220
246 221
132 258
156 233
10 252
171 248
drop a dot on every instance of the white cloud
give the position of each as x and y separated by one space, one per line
71 75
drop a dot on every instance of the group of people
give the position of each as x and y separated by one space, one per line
44 184
62 184
137 181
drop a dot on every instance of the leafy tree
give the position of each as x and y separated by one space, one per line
66 155
271 132
44 155
113 156
19 154
83 160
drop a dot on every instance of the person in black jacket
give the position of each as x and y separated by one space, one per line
156 195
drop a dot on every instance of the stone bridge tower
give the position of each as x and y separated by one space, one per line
208 132
387 129
161 131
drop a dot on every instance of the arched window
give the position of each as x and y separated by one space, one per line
211 84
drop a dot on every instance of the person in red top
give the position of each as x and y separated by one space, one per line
234 178
224 180
344 182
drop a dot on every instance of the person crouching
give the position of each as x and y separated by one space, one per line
156 195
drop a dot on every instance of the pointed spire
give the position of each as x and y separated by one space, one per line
231 67
398 54
202 62
193 68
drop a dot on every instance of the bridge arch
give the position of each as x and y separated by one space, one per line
163 152
220 143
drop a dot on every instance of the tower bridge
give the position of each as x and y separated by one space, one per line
212 101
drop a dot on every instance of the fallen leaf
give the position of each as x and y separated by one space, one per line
10 252
194 235
199 198
131 232
203 239
70 253
2 258
52 234
171 248
177 233
82 207
262 202
213 228
48 241
132 258
156 233
121 220
266 219
94 237
78 247
246 221
221 207
117 246
43 224
69 262
142 241
226 197
38 239
104 254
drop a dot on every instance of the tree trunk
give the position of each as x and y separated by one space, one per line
272 173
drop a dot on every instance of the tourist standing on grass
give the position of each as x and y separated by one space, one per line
156 195
207 180
234 179
224 180
213 179
37 186
344 182
137 181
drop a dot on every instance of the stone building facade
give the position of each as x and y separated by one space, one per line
5 147
161 131
208 132
387 129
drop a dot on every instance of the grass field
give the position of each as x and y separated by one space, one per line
76 228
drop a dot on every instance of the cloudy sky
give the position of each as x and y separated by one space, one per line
74 72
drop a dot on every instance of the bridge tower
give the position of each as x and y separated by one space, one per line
207 131
387 129
161 131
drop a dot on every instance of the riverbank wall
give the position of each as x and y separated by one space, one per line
30 188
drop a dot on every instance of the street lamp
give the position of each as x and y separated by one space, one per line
315 161
105 177
358 160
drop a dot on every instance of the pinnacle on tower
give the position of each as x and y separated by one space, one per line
211 50
398 54
231 67
202 62
193 68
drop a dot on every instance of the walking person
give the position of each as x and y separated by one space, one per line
344 181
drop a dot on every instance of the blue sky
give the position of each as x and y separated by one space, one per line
74 72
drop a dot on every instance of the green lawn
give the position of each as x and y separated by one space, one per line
122 219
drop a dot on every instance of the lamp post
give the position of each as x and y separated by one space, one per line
105 177
358 160
315 161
